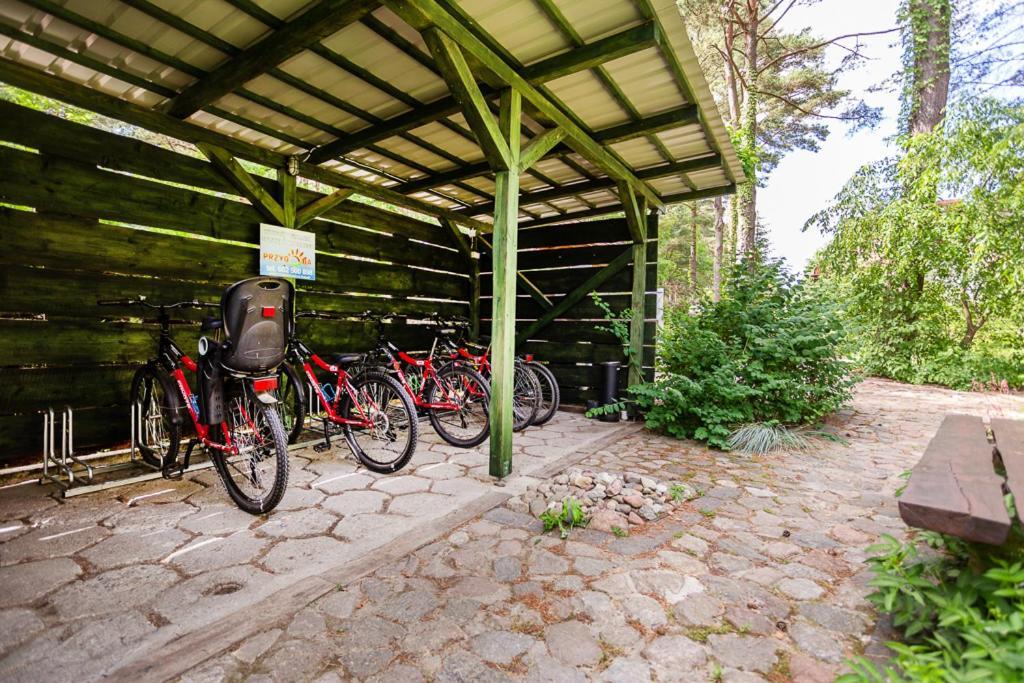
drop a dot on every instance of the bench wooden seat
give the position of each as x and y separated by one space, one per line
955 488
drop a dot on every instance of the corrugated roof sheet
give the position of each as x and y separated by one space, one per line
360 77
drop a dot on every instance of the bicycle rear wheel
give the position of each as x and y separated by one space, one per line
158 430
389 444
550 394
468 424
291 394
525 397
257 475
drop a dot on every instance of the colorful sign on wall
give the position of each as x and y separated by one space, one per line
287 253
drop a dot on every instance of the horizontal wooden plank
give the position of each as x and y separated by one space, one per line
569 257
564 280
588 232
57 185
580 353
954 488
528 309
571 331
88 145
26 390
62 241
21 440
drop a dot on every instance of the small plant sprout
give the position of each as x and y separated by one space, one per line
570 515
677 492
619 532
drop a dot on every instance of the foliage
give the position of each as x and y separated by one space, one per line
931 287
565 519
617 324
766 437
767 352
958 606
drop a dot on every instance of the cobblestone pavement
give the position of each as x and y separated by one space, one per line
761 578
90 583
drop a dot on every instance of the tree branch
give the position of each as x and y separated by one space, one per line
822 44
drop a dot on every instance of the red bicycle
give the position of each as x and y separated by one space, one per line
455 398
372 410
234 415
535 392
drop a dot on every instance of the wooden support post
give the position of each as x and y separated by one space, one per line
503 311
289 197
635 208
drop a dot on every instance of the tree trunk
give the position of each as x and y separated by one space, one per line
693 251
716 268
929 89
747 193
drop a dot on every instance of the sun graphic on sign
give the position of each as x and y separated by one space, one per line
299 256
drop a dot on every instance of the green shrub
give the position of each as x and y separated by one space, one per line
566 518
767 352
958 606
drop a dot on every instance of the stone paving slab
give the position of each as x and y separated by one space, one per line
164 560
760 578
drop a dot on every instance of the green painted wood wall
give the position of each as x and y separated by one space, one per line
87 214
557 259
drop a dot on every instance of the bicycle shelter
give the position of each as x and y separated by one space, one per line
444 154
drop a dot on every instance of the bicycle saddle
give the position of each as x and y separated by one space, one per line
344 359
210 323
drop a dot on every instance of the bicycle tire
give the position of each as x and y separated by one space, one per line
551 400
145 379
291 392
482 401
525 396
277 450
406 411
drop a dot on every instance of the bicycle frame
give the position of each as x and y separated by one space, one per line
396 361
308 359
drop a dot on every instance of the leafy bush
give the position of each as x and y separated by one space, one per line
767 352
566 518
959 607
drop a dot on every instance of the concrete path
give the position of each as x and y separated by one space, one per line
148 581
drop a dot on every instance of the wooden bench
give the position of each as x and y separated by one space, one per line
956 488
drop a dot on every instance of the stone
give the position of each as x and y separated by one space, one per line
420 505
356 502
508 568
749 653
635 518
572 643
699 609
114 590
480 589
216 520
17 626
668 585
807 669
647 611
408 606
232 550
339 604
801 589
307 555
781 550
635 501
817 642
460 666
544 562
500 647
674 658
748 621
691 544
649 513
834 618
298 523
608 520
591 566
27 582
626 670
296 660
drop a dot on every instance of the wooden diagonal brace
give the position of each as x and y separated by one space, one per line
243 182
322 205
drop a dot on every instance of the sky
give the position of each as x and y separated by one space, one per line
805 182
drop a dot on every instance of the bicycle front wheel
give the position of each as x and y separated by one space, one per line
257 474
387 445
550 394
158 425
467 422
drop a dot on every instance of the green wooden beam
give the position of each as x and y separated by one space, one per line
322 20
462 83
244 183
289 197
685 115
460 240
576 295
538 147
580 59
526 284
635 210
503 303
661 171
320 206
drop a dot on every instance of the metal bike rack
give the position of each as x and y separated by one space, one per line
65 463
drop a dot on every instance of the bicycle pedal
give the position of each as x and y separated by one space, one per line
321 447
174 474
